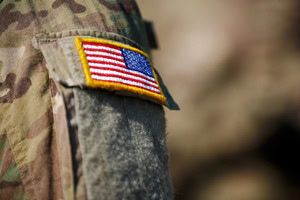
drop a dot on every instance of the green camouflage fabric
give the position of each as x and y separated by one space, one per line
64 142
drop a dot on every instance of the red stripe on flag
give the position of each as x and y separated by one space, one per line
101 45
103 50
108 57
121 71
102 56
125 78
107 63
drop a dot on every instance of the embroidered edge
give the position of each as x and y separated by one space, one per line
115 86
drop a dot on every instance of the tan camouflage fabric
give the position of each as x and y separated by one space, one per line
64 142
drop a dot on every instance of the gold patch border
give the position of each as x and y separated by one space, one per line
115 86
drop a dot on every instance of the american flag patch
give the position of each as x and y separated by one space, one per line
115 66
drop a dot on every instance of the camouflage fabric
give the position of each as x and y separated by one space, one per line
58 140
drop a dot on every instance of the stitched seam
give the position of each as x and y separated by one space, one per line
31 179
92 33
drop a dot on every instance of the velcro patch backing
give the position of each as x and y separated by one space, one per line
119 67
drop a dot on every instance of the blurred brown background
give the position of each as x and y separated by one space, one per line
234 68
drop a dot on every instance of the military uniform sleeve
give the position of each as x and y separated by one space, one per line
70 135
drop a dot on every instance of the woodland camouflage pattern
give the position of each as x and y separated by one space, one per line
40 156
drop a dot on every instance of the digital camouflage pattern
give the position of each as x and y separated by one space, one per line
41 145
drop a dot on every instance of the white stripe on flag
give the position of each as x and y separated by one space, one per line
87 46
90 59
120 68
108 72
103 54
120 80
